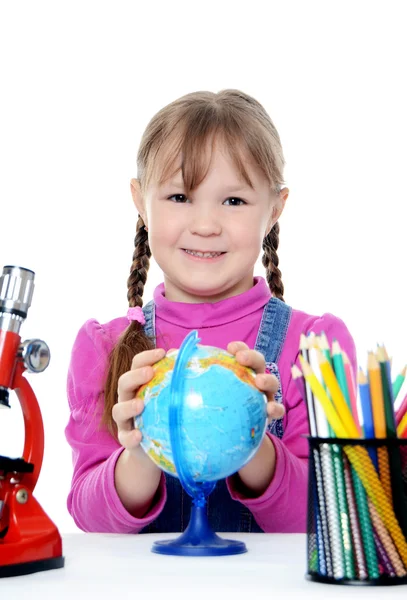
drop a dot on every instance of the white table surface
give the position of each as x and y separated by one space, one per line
122 566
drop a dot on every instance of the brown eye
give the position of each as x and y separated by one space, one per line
178 198
234 202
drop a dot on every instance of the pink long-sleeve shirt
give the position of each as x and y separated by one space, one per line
93 501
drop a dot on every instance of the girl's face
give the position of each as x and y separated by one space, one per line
207 244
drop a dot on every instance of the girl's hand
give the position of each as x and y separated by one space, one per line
128 405
267 383
257 474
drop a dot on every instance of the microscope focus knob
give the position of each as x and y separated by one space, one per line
35 354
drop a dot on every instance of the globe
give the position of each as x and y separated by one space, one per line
221 414
204 418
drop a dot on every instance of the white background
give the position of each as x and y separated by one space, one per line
79 81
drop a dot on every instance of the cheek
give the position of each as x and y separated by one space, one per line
249 234
163 229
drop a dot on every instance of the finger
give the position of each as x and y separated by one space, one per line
253 359
123 413
234 347
275 410
148 357
130 381
130 439
266 382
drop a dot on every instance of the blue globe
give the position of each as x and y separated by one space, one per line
222 415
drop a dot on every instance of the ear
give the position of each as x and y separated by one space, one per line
138 199
278 208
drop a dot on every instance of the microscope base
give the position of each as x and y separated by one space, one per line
31 567
31 541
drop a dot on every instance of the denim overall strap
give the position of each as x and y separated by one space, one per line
270 340
149 315
224 514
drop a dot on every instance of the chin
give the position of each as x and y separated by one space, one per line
207 292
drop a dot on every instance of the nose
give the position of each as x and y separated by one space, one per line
205 221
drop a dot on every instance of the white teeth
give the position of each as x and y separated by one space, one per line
203 254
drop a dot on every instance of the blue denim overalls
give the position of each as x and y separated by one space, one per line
225 514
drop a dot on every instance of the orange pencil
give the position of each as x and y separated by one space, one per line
376 394
379 420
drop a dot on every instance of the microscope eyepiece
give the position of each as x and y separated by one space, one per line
16 290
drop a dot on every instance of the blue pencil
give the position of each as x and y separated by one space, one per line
366 405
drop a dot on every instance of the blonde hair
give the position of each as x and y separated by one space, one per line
184 128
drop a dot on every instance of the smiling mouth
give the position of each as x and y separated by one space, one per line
203 254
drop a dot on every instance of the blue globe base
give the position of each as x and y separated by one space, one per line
199 540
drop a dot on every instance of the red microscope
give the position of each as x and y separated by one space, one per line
29 540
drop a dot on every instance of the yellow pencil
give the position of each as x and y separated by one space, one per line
338 398
319 392
402 425
376 394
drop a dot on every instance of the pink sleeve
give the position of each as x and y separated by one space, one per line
93 501
283 506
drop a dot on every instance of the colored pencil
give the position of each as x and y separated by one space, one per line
339 370
402 410
309 398
376 394
352 390
322 423
323 344
306 395
368 426
387 392
387 542
317 515
379 419
402 427
361 569
397 385
384 560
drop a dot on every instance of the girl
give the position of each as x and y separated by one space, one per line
209 193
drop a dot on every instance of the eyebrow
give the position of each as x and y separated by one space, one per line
229 189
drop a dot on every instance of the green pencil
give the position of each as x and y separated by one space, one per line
397 385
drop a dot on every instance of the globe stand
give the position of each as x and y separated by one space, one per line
198 539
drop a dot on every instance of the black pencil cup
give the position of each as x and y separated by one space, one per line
357 511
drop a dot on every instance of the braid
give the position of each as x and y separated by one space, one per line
270 262
133 340
139 267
